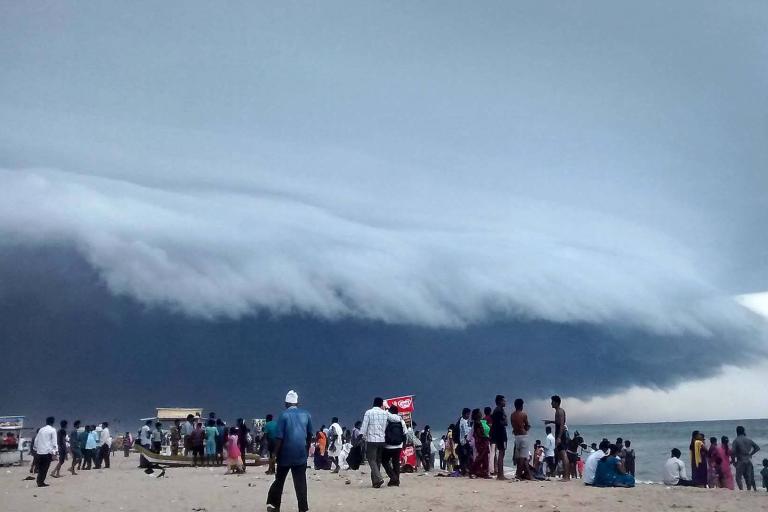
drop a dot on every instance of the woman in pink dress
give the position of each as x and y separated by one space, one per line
724 456
234 464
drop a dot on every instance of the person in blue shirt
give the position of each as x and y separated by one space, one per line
270 429
293 436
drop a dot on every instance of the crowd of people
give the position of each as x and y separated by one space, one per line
89 446
474 446
711 465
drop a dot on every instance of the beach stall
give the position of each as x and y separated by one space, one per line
177 413
11 445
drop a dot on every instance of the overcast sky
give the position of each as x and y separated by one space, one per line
588 174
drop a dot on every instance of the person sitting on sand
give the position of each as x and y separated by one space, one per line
590 466
674 471
610 472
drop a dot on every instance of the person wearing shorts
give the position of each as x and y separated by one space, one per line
499 434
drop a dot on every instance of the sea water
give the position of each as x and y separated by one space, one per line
653 442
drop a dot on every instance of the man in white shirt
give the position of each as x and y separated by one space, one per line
674 471
335 443
146 432
590 466
465 450
374 425
104 444
549 452
46 446
145 441
186 432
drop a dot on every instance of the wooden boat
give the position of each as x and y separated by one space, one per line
163 461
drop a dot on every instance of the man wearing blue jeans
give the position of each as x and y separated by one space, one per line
292 438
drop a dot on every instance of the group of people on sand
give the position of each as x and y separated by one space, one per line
90 447
711 465
207 441
474 446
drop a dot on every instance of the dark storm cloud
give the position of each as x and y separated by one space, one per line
72 348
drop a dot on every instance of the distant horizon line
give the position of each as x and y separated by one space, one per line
675 421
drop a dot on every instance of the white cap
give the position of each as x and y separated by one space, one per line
292 397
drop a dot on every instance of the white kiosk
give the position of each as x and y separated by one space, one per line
11 443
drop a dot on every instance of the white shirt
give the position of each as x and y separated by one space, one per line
374 424
441 445
549 445
145 435
674 470
464 431
104 439
335 428
590 466
45 441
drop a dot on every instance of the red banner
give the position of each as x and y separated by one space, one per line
403 403
408 458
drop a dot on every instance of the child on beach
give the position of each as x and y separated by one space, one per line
764 474
234 464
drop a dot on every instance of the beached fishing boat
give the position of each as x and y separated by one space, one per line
160 460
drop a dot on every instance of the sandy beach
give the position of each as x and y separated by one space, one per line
126 488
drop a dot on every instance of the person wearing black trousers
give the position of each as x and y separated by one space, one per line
46 446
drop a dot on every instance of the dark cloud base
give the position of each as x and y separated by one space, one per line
72 349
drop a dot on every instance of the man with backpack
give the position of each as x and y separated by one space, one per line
394 436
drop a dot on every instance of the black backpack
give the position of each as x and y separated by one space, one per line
394 433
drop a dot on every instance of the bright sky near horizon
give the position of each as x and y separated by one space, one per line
506 185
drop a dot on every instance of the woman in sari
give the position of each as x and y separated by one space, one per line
698 459
724 455
450 451
321 457
480 431
610 471
713 464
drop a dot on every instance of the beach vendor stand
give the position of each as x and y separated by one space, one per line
408 460
11 445
171 414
